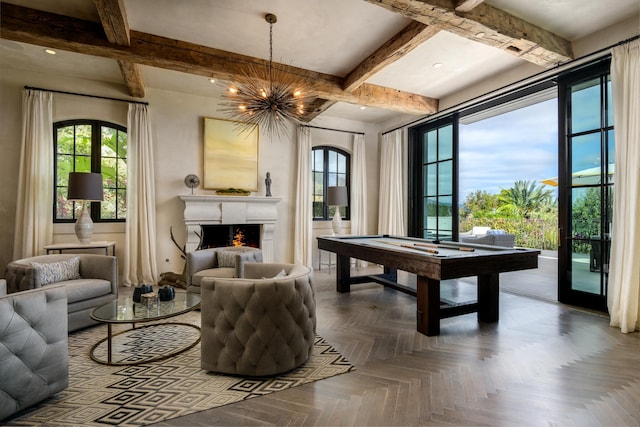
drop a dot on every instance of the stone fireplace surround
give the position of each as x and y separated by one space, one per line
212 209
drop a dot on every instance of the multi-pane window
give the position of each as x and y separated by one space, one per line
330 167
91 146
433 213
587 187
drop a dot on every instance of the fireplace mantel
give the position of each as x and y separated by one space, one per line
211 209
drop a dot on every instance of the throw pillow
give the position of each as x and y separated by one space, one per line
277 276
59 271
281 274
496 232
227 258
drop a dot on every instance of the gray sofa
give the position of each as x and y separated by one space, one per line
262 324
226 261
34 359
95 284
505 240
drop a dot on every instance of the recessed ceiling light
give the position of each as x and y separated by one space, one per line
363 107
437 65
50 51
212 80
480 35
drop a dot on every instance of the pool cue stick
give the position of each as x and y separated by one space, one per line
408 246
458 248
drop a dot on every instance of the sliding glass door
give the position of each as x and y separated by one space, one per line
433 202
585 186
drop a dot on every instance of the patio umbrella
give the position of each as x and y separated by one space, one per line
584 177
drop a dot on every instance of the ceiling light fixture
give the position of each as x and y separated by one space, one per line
437 65
50 51
270 101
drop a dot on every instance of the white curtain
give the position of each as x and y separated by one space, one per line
359 190
390 209
303 232
140 247
34 222
624 266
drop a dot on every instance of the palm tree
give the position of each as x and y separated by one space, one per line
525 197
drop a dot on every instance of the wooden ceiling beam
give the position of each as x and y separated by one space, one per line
116 27
488 25
395 48
62 32
315 108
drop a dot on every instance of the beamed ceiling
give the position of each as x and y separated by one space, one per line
377 54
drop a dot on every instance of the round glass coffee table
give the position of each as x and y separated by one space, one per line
148 343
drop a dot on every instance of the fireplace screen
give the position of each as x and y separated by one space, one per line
215 236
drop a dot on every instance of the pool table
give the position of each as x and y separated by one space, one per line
432 262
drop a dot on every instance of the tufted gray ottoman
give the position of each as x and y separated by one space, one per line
263 324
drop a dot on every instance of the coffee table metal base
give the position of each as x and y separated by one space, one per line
153 358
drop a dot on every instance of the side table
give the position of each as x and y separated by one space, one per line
59 247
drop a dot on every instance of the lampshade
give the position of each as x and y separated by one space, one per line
337 196
85 186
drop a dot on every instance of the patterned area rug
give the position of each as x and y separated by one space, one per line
157 391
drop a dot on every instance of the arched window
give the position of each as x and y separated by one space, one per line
330 167
91 146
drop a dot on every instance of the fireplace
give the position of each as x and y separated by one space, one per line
215 236
206 210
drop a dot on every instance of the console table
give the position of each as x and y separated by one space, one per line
59 247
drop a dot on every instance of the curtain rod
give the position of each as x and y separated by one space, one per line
536 78
334 130
84 94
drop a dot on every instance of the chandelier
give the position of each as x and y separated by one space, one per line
269 97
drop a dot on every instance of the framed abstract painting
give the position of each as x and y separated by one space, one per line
230 156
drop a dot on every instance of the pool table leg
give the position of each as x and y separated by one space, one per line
488 297
428 306
343 273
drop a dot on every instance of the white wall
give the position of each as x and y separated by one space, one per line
178 120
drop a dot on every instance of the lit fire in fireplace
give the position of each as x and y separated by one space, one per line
238 238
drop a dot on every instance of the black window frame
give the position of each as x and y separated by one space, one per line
328 211
96 166
416 212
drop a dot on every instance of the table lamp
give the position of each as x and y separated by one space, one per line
337 196
85 187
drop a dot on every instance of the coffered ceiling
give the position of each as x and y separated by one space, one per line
367 60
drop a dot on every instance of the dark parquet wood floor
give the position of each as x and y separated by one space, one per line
543 364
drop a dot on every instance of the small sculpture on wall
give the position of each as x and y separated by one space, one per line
267 182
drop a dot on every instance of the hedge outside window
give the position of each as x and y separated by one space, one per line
330 167
91 146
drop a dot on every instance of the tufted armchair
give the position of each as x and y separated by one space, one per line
263 324
34 361
226 261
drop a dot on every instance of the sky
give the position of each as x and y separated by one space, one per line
519 145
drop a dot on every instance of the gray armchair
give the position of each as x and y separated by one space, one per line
96 282
34 360
226 261
263 324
